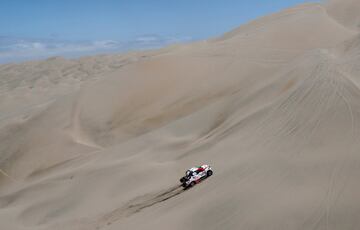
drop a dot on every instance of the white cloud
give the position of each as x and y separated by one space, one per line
21 49
150 38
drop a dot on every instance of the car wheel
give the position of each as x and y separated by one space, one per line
209 173
192 183
182 180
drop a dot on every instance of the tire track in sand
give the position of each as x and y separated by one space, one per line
138 204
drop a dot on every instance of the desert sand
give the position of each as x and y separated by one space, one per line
273 106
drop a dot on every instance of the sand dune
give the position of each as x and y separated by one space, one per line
346 12
274 107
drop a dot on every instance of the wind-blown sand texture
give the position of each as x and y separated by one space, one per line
273 106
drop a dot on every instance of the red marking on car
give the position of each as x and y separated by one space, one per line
201 169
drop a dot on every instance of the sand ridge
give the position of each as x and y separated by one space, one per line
273 106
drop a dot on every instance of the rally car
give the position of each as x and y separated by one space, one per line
195 175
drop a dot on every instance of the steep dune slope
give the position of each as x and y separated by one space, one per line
273 106
346 12
295 167
201 72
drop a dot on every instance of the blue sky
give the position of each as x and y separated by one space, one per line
32 29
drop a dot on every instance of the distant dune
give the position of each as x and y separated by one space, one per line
273 106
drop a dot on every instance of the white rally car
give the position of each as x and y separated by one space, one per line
195 175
